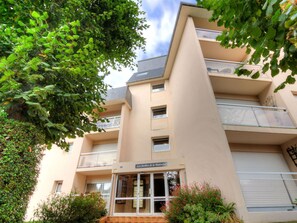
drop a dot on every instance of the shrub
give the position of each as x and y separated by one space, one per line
71 208
199 204
20 154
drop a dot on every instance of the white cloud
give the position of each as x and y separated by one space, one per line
161 16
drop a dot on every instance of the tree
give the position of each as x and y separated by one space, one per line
50 55
267 28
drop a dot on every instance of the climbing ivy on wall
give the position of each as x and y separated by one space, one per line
20 153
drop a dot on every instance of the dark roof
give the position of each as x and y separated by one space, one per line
146 75
120 93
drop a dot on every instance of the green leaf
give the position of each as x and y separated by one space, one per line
271 33
290 79
270 7
21 23
294 16
35 14
256 75
257 32
12 57
265 68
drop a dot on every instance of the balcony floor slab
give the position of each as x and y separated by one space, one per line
259 135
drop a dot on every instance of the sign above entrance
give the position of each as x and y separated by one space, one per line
149 165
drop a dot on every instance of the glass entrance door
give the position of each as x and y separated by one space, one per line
144 193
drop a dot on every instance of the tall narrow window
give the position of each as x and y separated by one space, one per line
158 87
161 144
159 112
58 187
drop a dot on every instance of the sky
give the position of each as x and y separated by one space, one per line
160 16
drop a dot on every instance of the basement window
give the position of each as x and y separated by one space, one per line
161 144
160 112
158 87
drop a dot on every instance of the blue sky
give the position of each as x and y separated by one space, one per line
160 16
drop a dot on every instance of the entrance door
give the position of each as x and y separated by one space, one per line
144 193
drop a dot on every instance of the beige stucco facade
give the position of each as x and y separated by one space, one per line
199 138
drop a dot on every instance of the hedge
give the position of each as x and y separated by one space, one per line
20 153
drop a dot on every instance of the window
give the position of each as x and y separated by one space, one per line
161 144
103 187
58 187
159 112
158 87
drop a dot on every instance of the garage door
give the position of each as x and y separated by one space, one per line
265 180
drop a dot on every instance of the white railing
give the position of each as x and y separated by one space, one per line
269 190
228 68
207 34
113 122
249 115
97 159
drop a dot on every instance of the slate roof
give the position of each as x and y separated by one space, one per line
120 93
149 69
146 75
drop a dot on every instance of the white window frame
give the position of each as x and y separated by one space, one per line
156 87
58 186
158 109
166 149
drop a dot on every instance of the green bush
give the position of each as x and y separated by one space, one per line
199 204
71 208
20 154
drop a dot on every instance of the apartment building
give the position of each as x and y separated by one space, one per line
184 118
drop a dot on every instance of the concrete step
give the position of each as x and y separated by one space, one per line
125 219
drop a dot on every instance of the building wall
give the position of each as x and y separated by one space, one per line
137 145
198 133
56 165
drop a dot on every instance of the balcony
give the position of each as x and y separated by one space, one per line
207 34
113 122
260 116
269 191
97 159
227 68
224 80
256 124
211 48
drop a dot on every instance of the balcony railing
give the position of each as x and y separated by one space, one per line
97 159
269 190
113 122
248 115
228 68
207 34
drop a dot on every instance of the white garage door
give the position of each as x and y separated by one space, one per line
265 181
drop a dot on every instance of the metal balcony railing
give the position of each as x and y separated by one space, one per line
207 34
269 190
249 115
97 159
114 122
228 68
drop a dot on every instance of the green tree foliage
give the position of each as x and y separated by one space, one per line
267 28
50 56
19 158
199 204
70 208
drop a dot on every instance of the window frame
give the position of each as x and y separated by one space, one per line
58 187
160 139
158 109
156 87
